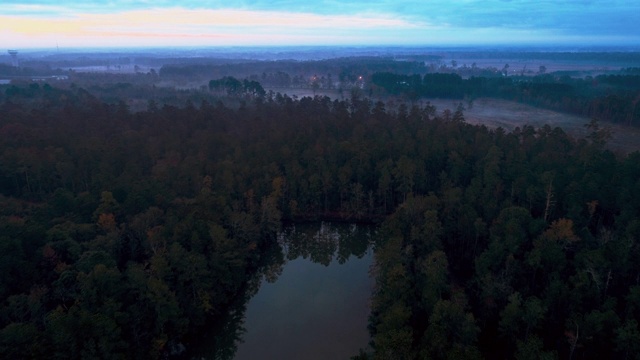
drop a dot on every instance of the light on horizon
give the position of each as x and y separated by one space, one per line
42 26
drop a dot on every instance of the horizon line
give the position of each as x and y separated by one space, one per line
128 48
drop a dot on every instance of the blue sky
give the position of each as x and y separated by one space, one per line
135 23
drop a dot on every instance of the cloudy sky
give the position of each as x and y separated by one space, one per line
152 23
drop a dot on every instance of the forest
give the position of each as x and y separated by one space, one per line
124 232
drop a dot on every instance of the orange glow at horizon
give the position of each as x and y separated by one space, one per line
177 24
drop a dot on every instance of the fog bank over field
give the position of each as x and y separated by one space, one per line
584 54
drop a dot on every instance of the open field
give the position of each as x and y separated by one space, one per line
495 113
532 67
509 115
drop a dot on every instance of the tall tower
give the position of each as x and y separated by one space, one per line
14 57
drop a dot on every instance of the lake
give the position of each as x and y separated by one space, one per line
310 300
319 305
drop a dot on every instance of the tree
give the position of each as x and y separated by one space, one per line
451 331
533 349
404 175
628 340
433 278
394 337
21 341
108 205
597 136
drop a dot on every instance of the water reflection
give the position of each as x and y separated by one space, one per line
220 340
304 294
321 245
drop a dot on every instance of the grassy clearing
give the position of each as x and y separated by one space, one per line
508 114
495 113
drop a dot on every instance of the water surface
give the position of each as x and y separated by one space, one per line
318 307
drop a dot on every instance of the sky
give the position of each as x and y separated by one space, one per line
28 24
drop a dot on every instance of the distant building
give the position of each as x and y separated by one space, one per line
14 57
50 77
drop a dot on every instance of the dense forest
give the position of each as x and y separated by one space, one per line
124 233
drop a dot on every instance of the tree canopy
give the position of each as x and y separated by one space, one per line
125 232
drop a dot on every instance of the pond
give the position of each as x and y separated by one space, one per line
319 305
311 302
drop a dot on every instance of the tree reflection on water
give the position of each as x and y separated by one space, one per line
320 243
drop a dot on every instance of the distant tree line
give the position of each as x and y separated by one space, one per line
612 98
234 87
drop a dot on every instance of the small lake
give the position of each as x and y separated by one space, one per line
311 299
319 305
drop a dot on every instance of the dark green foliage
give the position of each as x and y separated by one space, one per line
124 233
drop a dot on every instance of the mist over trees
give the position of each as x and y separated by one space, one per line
612 98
